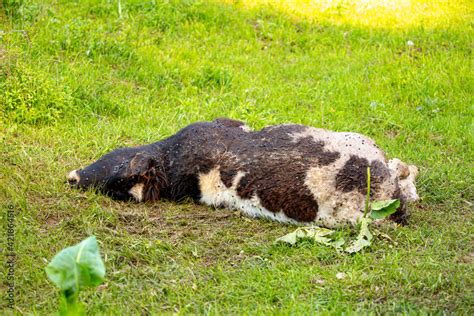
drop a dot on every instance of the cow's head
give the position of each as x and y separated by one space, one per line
123 174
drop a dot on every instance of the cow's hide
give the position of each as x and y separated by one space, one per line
289 173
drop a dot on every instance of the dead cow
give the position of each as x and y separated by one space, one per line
288 173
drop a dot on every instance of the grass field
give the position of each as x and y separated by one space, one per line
80 78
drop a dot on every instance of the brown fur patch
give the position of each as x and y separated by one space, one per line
353 175
276 170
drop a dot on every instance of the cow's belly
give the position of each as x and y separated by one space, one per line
215 193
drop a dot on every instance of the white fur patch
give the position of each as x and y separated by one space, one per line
246 128
336 208
137 191
215 193
344 143
407 186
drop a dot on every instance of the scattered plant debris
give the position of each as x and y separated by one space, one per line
318 234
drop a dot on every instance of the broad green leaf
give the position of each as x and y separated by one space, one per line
382 209
292 237
317 234
76 267
338 243
315 231
288 238
364 238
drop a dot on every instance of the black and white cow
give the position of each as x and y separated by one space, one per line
289 173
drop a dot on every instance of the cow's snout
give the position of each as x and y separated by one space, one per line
73 177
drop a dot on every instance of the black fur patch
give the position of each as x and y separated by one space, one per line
276 169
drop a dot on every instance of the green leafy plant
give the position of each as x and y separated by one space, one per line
378 210
73 269
382 209
364 238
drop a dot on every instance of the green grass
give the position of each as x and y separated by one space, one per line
77 80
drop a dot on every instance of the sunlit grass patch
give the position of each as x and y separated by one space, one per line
371 13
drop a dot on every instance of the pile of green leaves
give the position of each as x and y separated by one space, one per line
73 269
378 210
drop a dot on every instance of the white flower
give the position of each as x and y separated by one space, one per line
410 43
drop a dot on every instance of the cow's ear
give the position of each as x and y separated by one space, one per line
413 171
150 173
142 165
401 168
